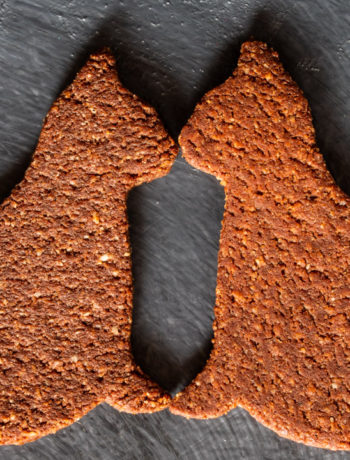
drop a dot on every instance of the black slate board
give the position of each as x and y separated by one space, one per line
170 53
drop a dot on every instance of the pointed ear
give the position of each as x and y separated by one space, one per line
260 97
108 114
200 137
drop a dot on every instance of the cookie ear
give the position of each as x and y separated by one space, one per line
282 300
225 127
200 138
65 269
100 113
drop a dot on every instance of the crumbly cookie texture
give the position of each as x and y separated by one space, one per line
65 269
281 346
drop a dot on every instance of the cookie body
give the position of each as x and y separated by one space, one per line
65 268
281 332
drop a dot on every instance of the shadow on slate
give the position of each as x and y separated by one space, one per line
170 54
173 316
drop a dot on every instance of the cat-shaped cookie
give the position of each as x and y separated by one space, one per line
281 346
65 269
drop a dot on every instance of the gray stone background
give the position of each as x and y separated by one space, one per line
170 52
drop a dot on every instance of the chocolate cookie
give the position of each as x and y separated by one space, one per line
65 270
281 346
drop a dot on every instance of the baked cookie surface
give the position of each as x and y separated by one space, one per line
281 346
65 269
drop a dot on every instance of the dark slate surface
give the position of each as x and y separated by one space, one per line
170 53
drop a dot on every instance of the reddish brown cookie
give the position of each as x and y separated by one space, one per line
65 270
281 345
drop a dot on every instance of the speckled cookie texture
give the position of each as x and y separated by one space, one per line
65 269
281 346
